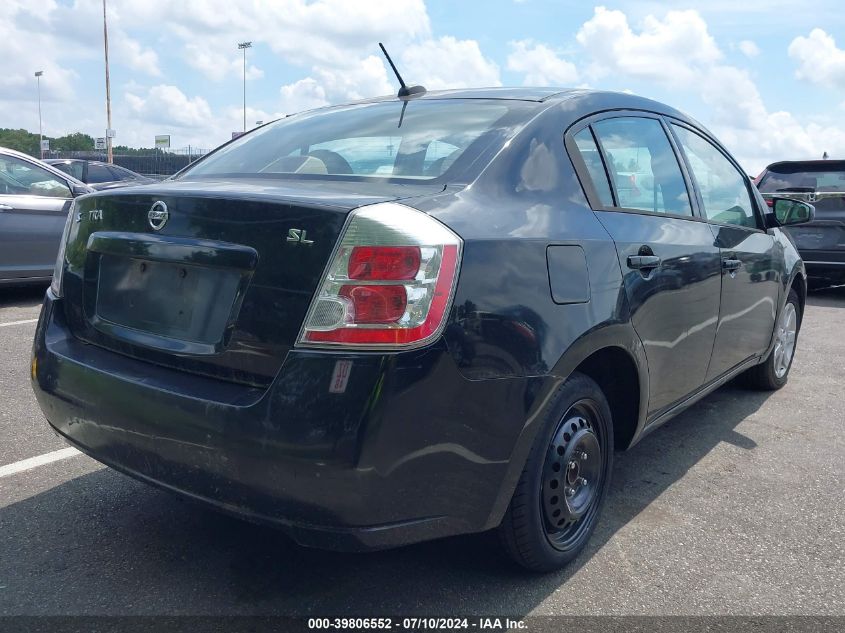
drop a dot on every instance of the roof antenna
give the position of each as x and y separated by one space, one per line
404 91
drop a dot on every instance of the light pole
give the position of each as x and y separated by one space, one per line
108 89
242 46
38 74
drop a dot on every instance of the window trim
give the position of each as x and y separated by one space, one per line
586 180
593 194
745 179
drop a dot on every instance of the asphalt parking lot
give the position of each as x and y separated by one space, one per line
735 507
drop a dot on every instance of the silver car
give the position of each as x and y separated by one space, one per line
34 202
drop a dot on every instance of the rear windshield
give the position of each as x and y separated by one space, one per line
803 178
419 141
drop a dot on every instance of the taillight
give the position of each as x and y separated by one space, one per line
389 284
56 285
384 262
770 202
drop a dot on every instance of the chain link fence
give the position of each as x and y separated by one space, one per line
155 163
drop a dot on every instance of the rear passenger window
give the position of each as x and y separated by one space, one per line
99 173
592 159
723 188
645 171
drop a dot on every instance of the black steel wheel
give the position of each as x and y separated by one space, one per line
573 475
559 496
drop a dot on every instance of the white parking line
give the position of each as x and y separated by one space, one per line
38 460
18 322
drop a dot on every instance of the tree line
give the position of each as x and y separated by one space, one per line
27 142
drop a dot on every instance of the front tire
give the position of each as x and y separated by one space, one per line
773 373
563 486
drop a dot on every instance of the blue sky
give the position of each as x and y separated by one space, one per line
767 77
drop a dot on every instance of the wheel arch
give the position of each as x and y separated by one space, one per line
799 282
614 358
615 372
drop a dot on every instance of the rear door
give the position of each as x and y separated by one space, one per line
669 261
750 279
33 208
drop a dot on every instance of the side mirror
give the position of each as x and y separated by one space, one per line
787 211
79 190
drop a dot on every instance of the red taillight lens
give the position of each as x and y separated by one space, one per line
770 202
389 284
394 263
376 304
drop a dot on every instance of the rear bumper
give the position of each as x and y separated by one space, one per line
409 450
827 264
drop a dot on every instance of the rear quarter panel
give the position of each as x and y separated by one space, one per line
504 320
505 324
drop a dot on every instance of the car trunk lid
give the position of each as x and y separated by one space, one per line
207 277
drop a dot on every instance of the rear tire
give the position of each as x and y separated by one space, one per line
773 372
564 483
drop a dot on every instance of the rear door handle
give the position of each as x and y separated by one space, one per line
731 265
643 262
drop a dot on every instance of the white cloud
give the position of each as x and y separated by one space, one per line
540 64
678 53
304 94
357 79
131 53
749 48
334 41
167 105
218 66
671 47
307 34
331 46
820 60
448 63
27 46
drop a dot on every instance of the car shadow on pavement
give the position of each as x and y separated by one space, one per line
833 297
102 543
22 296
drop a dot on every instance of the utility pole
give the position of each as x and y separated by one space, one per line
108 88
38 74
242 46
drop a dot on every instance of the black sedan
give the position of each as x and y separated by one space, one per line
409 318
99 175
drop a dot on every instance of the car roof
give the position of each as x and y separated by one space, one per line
582 101
538 94
16 153
53 161
832 164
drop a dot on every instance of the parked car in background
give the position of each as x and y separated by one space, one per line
97 174
822 241
409 318
34 203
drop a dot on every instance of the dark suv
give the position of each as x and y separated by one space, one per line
410 318
821 242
